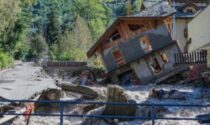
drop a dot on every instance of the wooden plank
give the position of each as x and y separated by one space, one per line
126 30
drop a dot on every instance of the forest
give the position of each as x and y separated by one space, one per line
55 29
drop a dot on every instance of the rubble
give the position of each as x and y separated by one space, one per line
162 94
146 111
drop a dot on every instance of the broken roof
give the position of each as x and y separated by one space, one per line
157 11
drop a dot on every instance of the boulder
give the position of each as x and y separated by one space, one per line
116 94
51 94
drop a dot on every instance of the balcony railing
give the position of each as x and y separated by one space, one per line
191 58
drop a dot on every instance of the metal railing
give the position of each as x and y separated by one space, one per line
191 58
62 104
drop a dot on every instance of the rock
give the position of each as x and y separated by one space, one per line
172 94
51 94
205 118
178 96
82 109
87 92
146 111
116 94
94 121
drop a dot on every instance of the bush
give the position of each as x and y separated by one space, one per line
6 60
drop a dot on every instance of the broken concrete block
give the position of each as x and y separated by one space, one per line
116 94
51 94
85 91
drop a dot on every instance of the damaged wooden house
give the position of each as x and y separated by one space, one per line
139 48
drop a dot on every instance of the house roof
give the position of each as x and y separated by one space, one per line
157 11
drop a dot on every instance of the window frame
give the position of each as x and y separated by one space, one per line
118 60
161 57
147 42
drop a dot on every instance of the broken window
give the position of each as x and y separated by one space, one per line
115 36
163 57
189 10
185 33
154 65
145 43
118 57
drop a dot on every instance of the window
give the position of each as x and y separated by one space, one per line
145 43
163 57
154 65
115 36
185 32
118 57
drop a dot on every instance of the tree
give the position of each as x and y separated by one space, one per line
83 34
38 47
94 12
73 44
53 28
14 25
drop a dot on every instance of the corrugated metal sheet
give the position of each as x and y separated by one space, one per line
132 50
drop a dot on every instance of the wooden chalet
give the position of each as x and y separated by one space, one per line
139 48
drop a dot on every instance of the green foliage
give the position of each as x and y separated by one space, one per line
73 44
38 47
5 60
95 13
53 25
14 29
67 27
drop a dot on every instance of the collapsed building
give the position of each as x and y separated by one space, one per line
139 48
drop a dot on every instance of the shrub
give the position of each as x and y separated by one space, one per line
6 60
